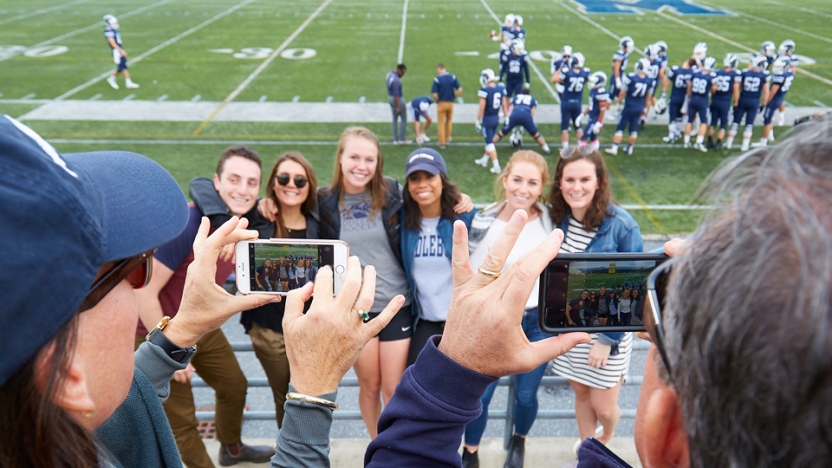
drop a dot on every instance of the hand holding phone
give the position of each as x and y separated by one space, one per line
277 266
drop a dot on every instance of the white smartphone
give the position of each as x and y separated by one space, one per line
276 266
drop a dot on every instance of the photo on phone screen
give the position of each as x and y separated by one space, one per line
284 267
595 292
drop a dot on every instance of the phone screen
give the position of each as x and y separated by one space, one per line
604 293
283 267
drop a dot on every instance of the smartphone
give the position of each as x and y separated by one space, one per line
276 266
595 292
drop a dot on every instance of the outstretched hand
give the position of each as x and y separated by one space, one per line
324 343
483 331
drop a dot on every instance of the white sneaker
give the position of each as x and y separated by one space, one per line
449 140
630 150
744 147
686 145
112 81
130 84
612 151
669 139
425 138
759 144
700 147
483 161
495 170
406 142
419 140
781 120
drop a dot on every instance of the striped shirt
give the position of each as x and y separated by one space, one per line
577 238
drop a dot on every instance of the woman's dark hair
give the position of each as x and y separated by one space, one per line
35 431
603 196
312 182
449 199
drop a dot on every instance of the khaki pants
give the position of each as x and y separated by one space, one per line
218 367
270 349
445 115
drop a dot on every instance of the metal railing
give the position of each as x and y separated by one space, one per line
507 414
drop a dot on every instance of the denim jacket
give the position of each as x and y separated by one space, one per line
618 232
410 237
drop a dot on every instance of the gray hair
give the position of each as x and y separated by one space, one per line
748 316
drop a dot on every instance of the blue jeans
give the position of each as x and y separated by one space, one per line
525 391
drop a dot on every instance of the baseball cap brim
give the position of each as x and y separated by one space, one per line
427 167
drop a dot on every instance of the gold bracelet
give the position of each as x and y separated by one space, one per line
312 400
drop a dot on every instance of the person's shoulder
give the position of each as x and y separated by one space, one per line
618 213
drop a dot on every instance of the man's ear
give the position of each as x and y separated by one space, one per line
216 182
665 438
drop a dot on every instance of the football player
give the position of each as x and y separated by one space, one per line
119 54
599 102
515 69
573 77
786 49
700 51
754 84
701 85
767 49
492 100
557 65
619 63
635 87
519 30
679 76
420 107
727 95
781 81
506 33
522 115
651 52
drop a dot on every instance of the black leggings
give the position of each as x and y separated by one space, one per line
424 330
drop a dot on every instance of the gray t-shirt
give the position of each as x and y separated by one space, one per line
368 240
394 84
432 274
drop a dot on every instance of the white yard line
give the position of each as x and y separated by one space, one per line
773 23
263 66
97 25
588 20
401 36
156 49
40 12
807 10
531 62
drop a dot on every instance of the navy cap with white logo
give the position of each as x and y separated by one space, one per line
425 159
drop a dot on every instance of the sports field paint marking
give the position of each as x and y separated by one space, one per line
162 98
27 97
472 53
735 44
774 23
362 100
531 63
816 102
129 97
634 195
404 28
95 25
588 20
296 99
329 99
40 12
156 49
807 10
262 66
196 98
96 97
262 98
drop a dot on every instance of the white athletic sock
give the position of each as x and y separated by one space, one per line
729 141
700 139
596 144
687 139
565 144
671 129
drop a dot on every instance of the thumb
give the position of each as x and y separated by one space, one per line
294 302
550 348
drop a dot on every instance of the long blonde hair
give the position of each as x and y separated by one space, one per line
518 157
377 184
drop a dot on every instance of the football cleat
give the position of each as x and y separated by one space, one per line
612 151
597 79
629 150
495 170
487 76
786 47
701 148
686 145
669 139
112 82
627 44
642 65
718 146
130 84
483 161
767 48
578 60
425 138
731 60
111 21
700 51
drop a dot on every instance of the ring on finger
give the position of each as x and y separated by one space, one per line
489 273
364 315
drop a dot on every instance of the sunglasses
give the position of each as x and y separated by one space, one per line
137 270
567 152
656 294
283 179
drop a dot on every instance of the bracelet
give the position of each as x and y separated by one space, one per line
312 400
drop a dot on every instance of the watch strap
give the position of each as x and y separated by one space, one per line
175 352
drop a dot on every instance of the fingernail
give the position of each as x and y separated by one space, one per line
556 237
400 299
516 219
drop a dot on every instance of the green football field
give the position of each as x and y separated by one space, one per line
340 50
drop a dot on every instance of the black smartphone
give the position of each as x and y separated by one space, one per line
595 292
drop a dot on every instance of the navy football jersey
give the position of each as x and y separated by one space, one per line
618 55
504 55
508 33
516 67
493 99
520 34
655 66
523 103
680 77
785 82
573 84
701 85
110 33
637 88
596 97
752 84
725 84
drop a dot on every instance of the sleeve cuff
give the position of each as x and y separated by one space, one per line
609 339
306 423
448 381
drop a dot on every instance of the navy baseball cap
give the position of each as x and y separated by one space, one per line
62 217
425 159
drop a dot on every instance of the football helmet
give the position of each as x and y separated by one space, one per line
517 47
709 64
487 76
597 79
642 65
627 44
780 65
578 60
786 47
111 21
700 51
759 61
566 51
516 140
509 21
731 60
518 20
662 45
767 48
651 51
